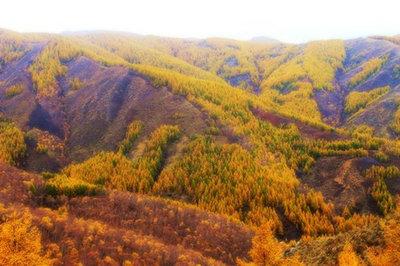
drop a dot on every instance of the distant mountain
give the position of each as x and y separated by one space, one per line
264 39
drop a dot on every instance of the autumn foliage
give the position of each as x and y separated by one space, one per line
12 143
20 239
367 69
348 257
235 190
358 100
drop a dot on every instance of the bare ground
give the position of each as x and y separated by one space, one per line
306 130
342 181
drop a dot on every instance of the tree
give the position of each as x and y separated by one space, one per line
347 257
267 250
20 241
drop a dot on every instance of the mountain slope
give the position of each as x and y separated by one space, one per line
270 134
148 230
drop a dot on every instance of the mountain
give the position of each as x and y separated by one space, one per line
264 39
118 148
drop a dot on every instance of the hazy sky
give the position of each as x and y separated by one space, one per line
287 20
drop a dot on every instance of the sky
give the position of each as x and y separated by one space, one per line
293 21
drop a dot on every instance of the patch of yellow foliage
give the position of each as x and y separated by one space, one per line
367 69
20 240
318 62
357 100
12 143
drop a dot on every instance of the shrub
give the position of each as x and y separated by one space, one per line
71 187
14 91
76 84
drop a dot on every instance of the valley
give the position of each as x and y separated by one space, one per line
124 149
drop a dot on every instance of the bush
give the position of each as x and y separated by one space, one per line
71 187
76 84
14 91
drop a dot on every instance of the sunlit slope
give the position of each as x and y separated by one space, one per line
261 68
310 80
136 52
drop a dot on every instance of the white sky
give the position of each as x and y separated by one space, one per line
286 20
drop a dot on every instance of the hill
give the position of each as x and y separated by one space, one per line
150 231
118 148
264 39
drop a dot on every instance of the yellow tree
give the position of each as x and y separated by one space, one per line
347 257
20 241
267 250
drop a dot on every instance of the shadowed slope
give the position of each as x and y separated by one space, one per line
110 98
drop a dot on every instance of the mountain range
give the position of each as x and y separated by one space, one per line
124 149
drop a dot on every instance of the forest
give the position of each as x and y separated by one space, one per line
121 149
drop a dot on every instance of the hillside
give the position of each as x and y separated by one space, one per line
150 231
120 149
